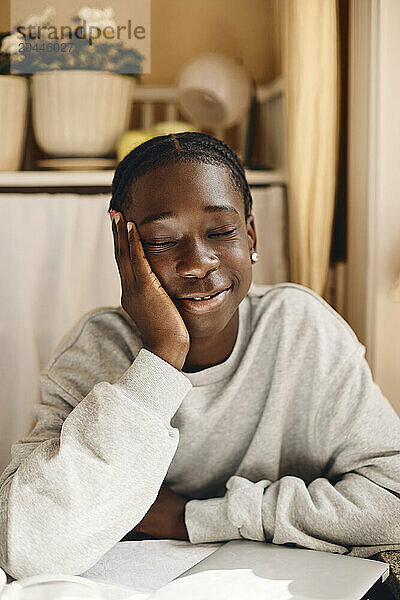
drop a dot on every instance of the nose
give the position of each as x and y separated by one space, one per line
197 260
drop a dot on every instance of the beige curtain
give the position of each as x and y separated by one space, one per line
311 71
395 292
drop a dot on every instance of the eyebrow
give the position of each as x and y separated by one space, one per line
162 216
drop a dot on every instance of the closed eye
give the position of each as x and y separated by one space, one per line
222 233
158 244
163 244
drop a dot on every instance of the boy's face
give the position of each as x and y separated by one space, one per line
202 246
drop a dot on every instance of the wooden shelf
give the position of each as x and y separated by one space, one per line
40 179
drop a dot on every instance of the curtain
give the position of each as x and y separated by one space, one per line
311 71
57 262
395 292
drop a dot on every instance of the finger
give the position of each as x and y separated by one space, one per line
121 252
114 229
115 238
138 258
124 253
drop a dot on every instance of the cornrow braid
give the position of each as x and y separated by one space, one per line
169 149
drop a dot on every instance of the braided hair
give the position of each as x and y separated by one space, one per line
171 149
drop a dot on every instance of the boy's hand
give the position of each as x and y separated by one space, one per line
145 300
165 518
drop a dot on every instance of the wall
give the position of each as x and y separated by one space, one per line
4 15
247 30
181 29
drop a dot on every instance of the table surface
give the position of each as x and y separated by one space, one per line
391 588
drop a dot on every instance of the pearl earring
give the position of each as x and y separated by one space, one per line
254 257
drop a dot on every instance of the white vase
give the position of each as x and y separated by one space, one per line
80 113
13 110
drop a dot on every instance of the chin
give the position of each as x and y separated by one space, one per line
204 326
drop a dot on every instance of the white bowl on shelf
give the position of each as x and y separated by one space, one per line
80 113
13 111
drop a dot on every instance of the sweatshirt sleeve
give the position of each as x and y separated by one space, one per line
88 474
352 508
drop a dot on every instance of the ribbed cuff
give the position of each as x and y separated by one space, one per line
268 511
207 521
159 386
245 500
239 514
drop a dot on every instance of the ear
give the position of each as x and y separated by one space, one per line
251 233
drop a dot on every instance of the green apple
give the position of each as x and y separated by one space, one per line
135 137
167 127
131 139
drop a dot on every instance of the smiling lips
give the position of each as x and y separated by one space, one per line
202 296
203 302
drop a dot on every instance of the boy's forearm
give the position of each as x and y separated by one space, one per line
75 496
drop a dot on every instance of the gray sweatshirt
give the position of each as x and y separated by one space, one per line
289 440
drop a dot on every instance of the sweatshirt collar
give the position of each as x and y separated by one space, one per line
225 369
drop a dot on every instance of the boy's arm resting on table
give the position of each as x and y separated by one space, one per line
87 475
353 508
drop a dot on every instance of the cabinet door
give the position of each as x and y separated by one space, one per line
57 262
270 215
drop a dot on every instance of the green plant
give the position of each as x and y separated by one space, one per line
35 45
8 46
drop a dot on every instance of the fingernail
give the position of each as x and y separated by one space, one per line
116 218
129 226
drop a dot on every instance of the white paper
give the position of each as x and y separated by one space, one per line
135 569
3 579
